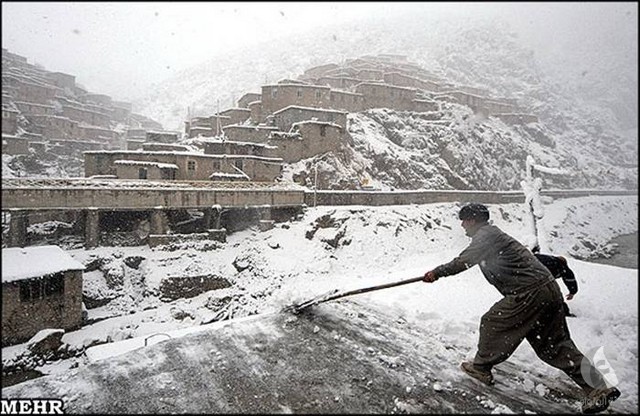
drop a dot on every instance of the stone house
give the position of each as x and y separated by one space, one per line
425 106
475 102
134 144
318 71
62 80
256 134
99 99
85 115
206 126
9 120
164 147
35 108
257 115
101 134
403 80
379 95
54 126
491 107
161 136
41 288
236 115
190 165
249 97
307 139
370 75
284 119
137 134
346 101
276 97
13 145
70 147
340 83
228 147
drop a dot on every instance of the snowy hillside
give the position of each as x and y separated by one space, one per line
591 135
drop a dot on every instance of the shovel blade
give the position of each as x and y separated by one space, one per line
299 307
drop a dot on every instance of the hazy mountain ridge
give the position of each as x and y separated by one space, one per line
573 133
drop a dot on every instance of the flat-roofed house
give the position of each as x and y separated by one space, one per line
41 288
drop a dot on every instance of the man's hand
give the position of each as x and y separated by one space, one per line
569 296
430 277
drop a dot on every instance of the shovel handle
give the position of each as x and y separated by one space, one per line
372 288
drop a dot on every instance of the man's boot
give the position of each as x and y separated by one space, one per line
479 374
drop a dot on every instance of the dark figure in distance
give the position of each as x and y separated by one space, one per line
559 268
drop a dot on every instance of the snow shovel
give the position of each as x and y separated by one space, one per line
336 294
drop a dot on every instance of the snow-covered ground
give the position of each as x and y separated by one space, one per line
357 246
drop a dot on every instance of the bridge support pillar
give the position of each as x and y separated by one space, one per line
212 217
266 223
159 222
92 228
18 228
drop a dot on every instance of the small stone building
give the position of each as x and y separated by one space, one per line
13 145
41 288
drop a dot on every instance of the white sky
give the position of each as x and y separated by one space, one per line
120 48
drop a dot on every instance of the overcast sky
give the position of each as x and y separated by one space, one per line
144 43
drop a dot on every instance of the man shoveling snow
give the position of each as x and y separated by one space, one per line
531 309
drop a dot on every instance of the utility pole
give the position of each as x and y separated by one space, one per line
532 187
315 185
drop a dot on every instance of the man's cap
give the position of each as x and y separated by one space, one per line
473 211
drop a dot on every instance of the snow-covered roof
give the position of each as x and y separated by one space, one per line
239 143
319 110
316 122
227 175
28 262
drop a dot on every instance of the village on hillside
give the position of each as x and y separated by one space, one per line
286 122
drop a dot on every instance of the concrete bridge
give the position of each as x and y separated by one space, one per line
92 199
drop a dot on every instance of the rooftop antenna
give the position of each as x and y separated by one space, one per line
218 127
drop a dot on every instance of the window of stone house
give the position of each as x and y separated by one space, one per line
299 93
323 131
191 165
318 94
274 92
169 174
238 163
35 289
216 165
142 173
54 284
